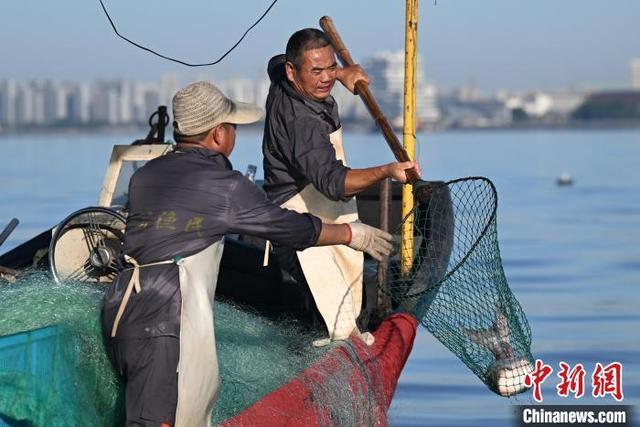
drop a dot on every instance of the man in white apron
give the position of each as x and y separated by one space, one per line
158 313
305 170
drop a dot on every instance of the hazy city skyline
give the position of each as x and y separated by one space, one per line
496 43
121 102
46 102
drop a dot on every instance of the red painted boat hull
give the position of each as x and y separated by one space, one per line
351 384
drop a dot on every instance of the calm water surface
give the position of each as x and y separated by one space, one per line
571 254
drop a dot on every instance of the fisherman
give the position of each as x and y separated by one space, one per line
305 170
158 313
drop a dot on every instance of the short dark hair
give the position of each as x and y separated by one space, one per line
190 139
303 40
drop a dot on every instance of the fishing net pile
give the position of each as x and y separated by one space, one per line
54 369
456 286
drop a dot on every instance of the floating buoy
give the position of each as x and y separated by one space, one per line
564 179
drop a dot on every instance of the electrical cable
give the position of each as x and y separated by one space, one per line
113 25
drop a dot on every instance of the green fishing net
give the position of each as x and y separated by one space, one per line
54 369
456 286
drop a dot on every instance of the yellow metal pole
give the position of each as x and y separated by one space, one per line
409 130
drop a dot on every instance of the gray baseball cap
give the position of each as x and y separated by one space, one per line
201 106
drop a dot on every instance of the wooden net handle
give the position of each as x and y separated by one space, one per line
362 89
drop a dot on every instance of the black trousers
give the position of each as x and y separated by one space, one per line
149 367
299 296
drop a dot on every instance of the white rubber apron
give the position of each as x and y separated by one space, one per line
198 378
334 273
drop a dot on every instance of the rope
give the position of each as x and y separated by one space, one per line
138 45
134 283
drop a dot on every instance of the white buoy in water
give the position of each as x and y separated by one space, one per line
564 179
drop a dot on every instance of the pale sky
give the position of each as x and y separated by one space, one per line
510 44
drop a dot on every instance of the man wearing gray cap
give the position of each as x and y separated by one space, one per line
158 312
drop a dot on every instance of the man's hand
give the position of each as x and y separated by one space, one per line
359 179
348 76
397 170
371 240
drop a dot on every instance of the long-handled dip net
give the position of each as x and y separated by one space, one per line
456 286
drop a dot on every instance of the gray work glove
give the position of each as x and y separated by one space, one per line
371 240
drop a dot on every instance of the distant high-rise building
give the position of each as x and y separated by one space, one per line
8 94
124 100
77 98
386 70
151 101
38 103
635 73
168 87
85 102
3 104
55 105
145 101
105 103
469 91
24 105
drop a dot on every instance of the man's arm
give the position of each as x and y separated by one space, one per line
315 158
334 234
357 180
252 213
